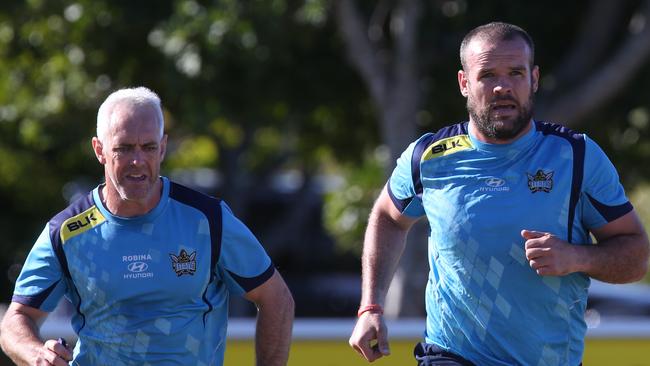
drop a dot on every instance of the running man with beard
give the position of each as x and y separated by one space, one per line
511 203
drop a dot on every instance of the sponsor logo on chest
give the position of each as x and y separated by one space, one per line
541 181
137 266
494 184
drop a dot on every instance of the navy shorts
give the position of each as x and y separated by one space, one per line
428 354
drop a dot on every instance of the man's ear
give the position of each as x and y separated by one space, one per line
535 76
462 83
163 147
98 148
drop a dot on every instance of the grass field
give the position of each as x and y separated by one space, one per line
599 352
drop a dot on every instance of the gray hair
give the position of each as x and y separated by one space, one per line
497 31
134 96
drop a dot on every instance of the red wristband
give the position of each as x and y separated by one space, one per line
372 308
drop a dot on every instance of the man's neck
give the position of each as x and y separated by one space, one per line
477 134
125 207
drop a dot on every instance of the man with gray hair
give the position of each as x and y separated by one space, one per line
148 264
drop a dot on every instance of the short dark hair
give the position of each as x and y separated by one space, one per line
497 31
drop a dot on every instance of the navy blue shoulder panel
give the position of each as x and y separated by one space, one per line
418 150
548 128
424 142
577 141
211 208
75 208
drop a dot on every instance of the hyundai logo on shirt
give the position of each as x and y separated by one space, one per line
137 267
495 182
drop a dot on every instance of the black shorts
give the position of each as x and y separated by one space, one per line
428 354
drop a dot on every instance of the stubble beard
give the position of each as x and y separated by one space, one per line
129 192
499 129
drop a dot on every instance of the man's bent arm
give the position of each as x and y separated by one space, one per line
274 321
383 245
621 254
20 341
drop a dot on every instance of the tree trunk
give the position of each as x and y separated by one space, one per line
393 86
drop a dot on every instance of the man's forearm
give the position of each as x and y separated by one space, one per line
19 338
620 259
383 245
273 333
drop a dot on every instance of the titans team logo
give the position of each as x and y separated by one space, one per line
183 263
540 182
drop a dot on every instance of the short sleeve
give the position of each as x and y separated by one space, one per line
603 195
243 261
401 185
40 283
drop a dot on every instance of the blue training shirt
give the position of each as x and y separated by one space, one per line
483 300
148 290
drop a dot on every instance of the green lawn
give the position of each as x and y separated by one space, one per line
599 352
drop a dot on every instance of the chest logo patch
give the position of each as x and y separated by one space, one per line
183 263
540 181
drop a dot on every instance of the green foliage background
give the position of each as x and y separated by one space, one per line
250 89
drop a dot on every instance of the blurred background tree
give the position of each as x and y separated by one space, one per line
293 111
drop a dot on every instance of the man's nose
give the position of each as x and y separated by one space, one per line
137 157
502 87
